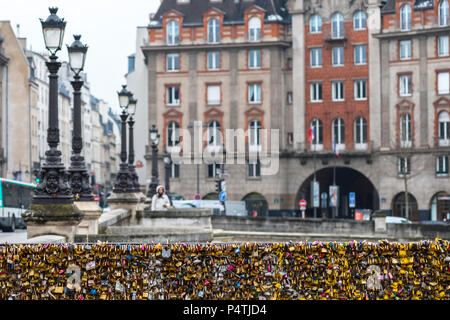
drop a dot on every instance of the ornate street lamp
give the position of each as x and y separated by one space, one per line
78 174
154 138
167 165
133 175
122 184
53 188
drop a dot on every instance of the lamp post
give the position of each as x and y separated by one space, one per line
132 170
122 184
53 188
78 174
154 138
167 165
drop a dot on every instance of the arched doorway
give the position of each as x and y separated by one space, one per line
211 196
349 181
256 204
440 206
399 207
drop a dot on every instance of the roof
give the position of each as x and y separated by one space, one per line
275 10
389 7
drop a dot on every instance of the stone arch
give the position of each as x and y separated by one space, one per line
398 206
211 196
348 180
439 206
256 204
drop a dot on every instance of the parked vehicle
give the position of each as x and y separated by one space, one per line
15 198
397 220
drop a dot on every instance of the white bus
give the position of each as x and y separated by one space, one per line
15 198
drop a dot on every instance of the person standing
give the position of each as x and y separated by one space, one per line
160 201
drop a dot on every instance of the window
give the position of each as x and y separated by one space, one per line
213 60
444 133
359 20
443 83
443 13
254 135
214 133
173 33
315 24
289 64
254 26
213 31
405 131
405 18
174 170
212 169
404 166
173 134
442 165
443 46
405 85
316 91
173 62
337 26
254 169
338 56
338 90
289 97
405 49
360 54
338 131
316 57
316 126
213 94
173 95
254 93
360 130
254 59
360 89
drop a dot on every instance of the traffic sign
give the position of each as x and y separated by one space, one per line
197 197
351 200
222 196
302 204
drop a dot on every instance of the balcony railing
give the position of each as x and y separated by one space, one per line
331 34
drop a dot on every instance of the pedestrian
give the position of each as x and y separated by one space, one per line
160 200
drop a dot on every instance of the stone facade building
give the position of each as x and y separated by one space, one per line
367 80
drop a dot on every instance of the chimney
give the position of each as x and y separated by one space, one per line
23 43
18 30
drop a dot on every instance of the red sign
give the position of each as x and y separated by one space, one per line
139 164
96 198
302 204
197 197
358 215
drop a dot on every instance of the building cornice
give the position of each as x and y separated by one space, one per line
412 33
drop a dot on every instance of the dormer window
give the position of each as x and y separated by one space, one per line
173 33
213 31
254 28
405 18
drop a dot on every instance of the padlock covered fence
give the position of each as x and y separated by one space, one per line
254 271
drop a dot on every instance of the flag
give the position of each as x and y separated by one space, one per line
311 134
336 150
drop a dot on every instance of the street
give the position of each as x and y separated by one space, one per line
13 237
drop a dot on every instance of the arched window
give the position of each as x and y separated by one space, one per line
173 33
359 20
444 135
254 29
338 131
337 26
214 133
405 17
254 134
316 126
405 130
360 130
173 134
443 13
213 31
315 24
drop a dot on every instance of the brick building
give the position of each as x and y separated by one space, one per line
373 91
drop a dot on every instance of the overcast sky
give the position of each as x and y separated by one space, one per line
108 27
